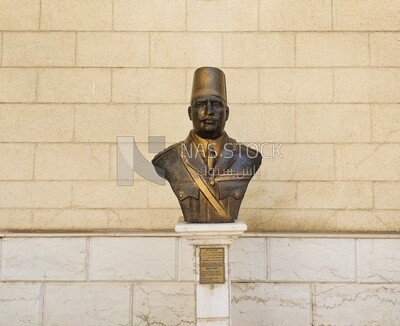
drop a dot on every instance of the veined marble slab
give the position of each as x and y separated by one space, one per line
132 258
94 304
357 304
266 304
311 259
163 304
20 304
379 260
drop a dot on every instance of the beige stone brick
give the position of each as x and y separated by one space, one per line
171 121
104 194
15 220
16 161
297 15
72 162
311 259
19 14
144 150
367 85
117 49
25 194
385 49
36 123
135 258
368 162
262 194
44 258
333 123
339 195
87 304
238 15
332 49
149 85
162 196
186 49
149 15
289 220
387 195
76 14
268 123
370 221
107 122
74 85
144 219
379 260
385 123
70 219
18 85
259 50
241 84
296 85
321 220
19 304
39 49
366 15
298 162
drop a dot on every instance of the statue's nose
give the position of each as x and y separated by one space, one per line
209 108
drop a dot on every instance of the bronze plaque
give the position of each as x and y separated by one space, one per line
212 266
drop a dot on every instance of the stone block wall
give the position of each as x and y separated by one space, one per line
317 79
321 78
131 279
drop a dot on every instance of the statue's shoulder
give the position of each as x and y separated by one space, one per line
241 147
166 153
252 155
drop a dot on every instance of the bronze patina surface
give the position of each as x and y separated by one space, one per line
209 172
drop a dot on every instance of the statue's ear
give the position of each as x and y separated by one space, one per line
190 112
227 112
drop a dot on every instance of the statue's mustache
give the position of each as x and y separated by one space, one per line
207 117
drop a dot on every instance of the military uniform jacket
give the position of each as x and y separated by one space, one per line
226 182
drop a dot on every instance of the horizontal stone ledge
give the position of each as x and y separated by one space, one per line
142 234
161 222
187 282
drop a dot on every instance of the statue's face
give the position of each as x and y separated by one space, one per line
208 114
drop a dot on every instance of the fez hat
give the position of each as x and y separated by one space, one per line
209 81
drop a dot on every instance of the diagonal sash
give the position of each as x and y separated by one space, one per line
208 194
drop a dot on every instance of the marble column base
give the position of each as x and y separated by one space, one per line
212 307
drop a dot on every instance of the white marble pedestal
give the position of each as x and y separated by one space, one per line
212 306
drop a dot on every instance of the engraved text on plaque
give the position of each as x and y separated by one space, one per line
212 270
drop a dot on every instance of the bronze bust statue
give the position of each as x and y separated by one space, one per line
208 171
